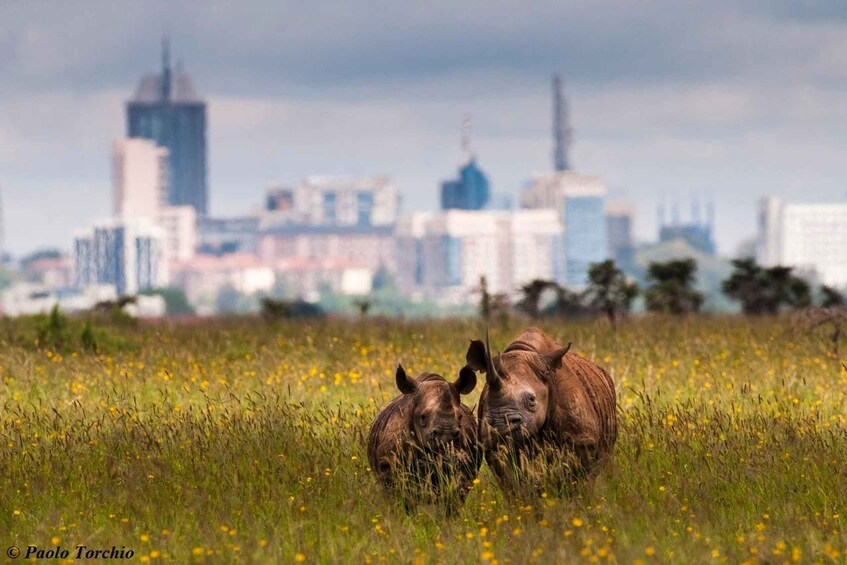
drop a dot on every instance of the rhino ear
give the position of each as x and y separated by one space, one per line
466 381
476 357
554 359
404 383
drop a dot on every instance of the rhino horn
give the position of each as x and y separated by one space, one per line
479 359
491 376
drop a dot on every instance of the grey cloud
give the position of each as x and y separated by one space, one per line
740 99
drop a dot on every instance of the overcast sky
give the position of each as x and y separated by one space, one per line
668 99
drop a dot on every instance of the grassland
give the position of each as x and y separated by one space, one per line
242 441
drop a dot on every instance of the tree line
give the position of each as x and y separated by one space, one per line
669 290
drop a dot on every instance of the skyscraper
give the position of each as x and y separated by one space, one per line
470 191
139 178
166 109
578 199
126 253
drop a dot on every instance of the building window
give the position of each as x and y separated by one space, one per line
364 208
452 261
329 208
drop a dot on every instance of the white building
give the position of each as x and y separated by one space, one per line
139 178
812 238
445 253
180 226
26 299
126 253
578 200
333 201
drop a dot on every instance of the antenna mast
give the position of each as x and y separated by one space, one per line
561 129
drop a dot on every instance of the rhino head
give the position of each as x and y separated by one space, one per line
516 400
437 414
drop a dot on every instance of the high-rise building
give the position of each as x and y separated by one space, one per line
139 178
167 110
333 201
619 227
444 254
578 200
697 232
126 253
470 191
809 237
180 226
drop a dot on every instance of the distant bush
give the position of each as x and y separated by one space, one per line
273 309
56 331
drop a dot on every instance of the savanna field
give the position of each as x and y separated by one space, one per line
244 441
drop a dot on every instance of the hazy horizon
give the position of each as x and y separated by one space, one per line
724 100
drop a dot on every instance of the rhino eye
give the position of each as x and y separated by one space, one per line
530 401
422 419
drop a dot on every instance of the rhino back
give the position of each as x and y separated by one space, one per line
536 339
582 404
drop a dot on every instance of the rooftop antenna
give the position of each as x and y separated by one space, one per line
466 134
695 210
561 130
166 68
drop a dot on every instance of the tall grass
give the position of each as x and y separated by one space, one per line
243 441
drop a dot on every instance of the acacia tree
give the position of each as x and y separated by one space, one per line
765 290
831 298
532 292
608 290
671 289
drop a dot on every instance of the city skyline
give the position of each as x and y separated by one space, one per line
735 102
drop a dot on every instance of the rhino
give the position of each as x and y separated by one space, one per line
423 445
544 411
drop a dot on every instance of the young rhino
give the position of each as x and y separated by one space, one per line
543 411
423 446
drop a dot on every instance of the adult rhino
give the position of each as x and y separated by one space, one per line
544 411
423 445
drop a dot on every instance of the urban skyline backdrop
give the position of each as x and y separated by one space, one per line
733 102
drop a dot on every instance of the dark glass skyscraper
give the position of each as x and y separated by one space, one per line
469 192
166 110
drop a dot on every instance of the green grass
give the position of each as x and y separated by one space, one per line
240 441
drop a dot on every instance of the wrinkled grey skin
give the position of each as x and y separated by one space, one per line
541 402
423 446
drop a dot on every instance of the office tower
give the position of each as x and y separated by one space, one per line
809 237
444 254
697 232
470 191
578 199
139 178
333 201
126 253
619 227
167 110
